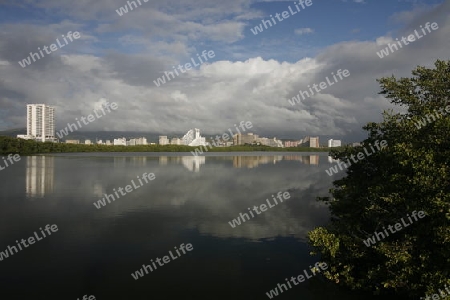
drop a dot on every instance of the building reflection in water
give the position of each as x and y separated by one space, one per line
40 178
192 163
138 161
254 161
332 160
132 160
305 159
163 160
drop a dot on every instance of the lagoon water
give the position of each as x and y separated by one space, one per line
191 200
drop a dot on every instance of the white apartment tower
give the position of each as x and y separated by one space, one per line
41 122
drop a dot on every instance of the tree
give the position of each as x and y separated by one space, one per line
411 174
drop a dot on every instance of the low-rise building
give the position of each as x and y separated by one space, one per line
288 144
120 142
72 141
25 137
334 143
176 141
141 141
163 140
275 143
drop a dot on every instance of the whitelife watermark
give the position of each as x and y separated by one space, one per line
128 189
124 9
85 297
434 116
225 137
263 207
31 240
391 48
319 87
90 118
436 296
284 15
166 259
11 158
71 36
360 156
372 241
167 74
300 278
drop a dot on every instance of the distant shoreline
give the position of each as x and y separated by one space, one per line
176 154
9 145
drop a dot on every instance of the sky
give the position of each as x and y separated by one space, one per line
251 77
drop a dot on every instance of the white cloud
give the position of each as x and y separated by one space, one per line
302 31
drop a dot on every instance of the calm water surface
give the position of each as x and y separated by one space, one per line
191 200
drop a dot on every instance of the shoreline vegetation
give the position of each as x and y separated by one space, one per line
10 145
411 174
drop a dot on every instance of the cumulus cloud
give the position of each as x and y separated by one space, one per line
302 31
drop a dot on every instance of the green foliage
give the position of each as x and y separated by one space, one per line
26 147
412 173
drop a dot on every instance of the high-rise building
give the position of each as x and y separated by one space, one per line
314 142
40 123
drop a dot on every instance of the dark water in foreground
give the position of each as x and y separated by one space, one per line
191 200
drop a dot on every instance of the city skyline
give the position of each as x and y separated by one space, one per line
43 116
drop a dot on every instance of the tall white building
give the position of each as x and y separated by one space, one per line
40 123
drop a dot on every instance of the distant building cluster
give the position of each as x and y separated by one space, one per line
115 142
194 139
254 139
131 142
41 127
312 142
191 138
